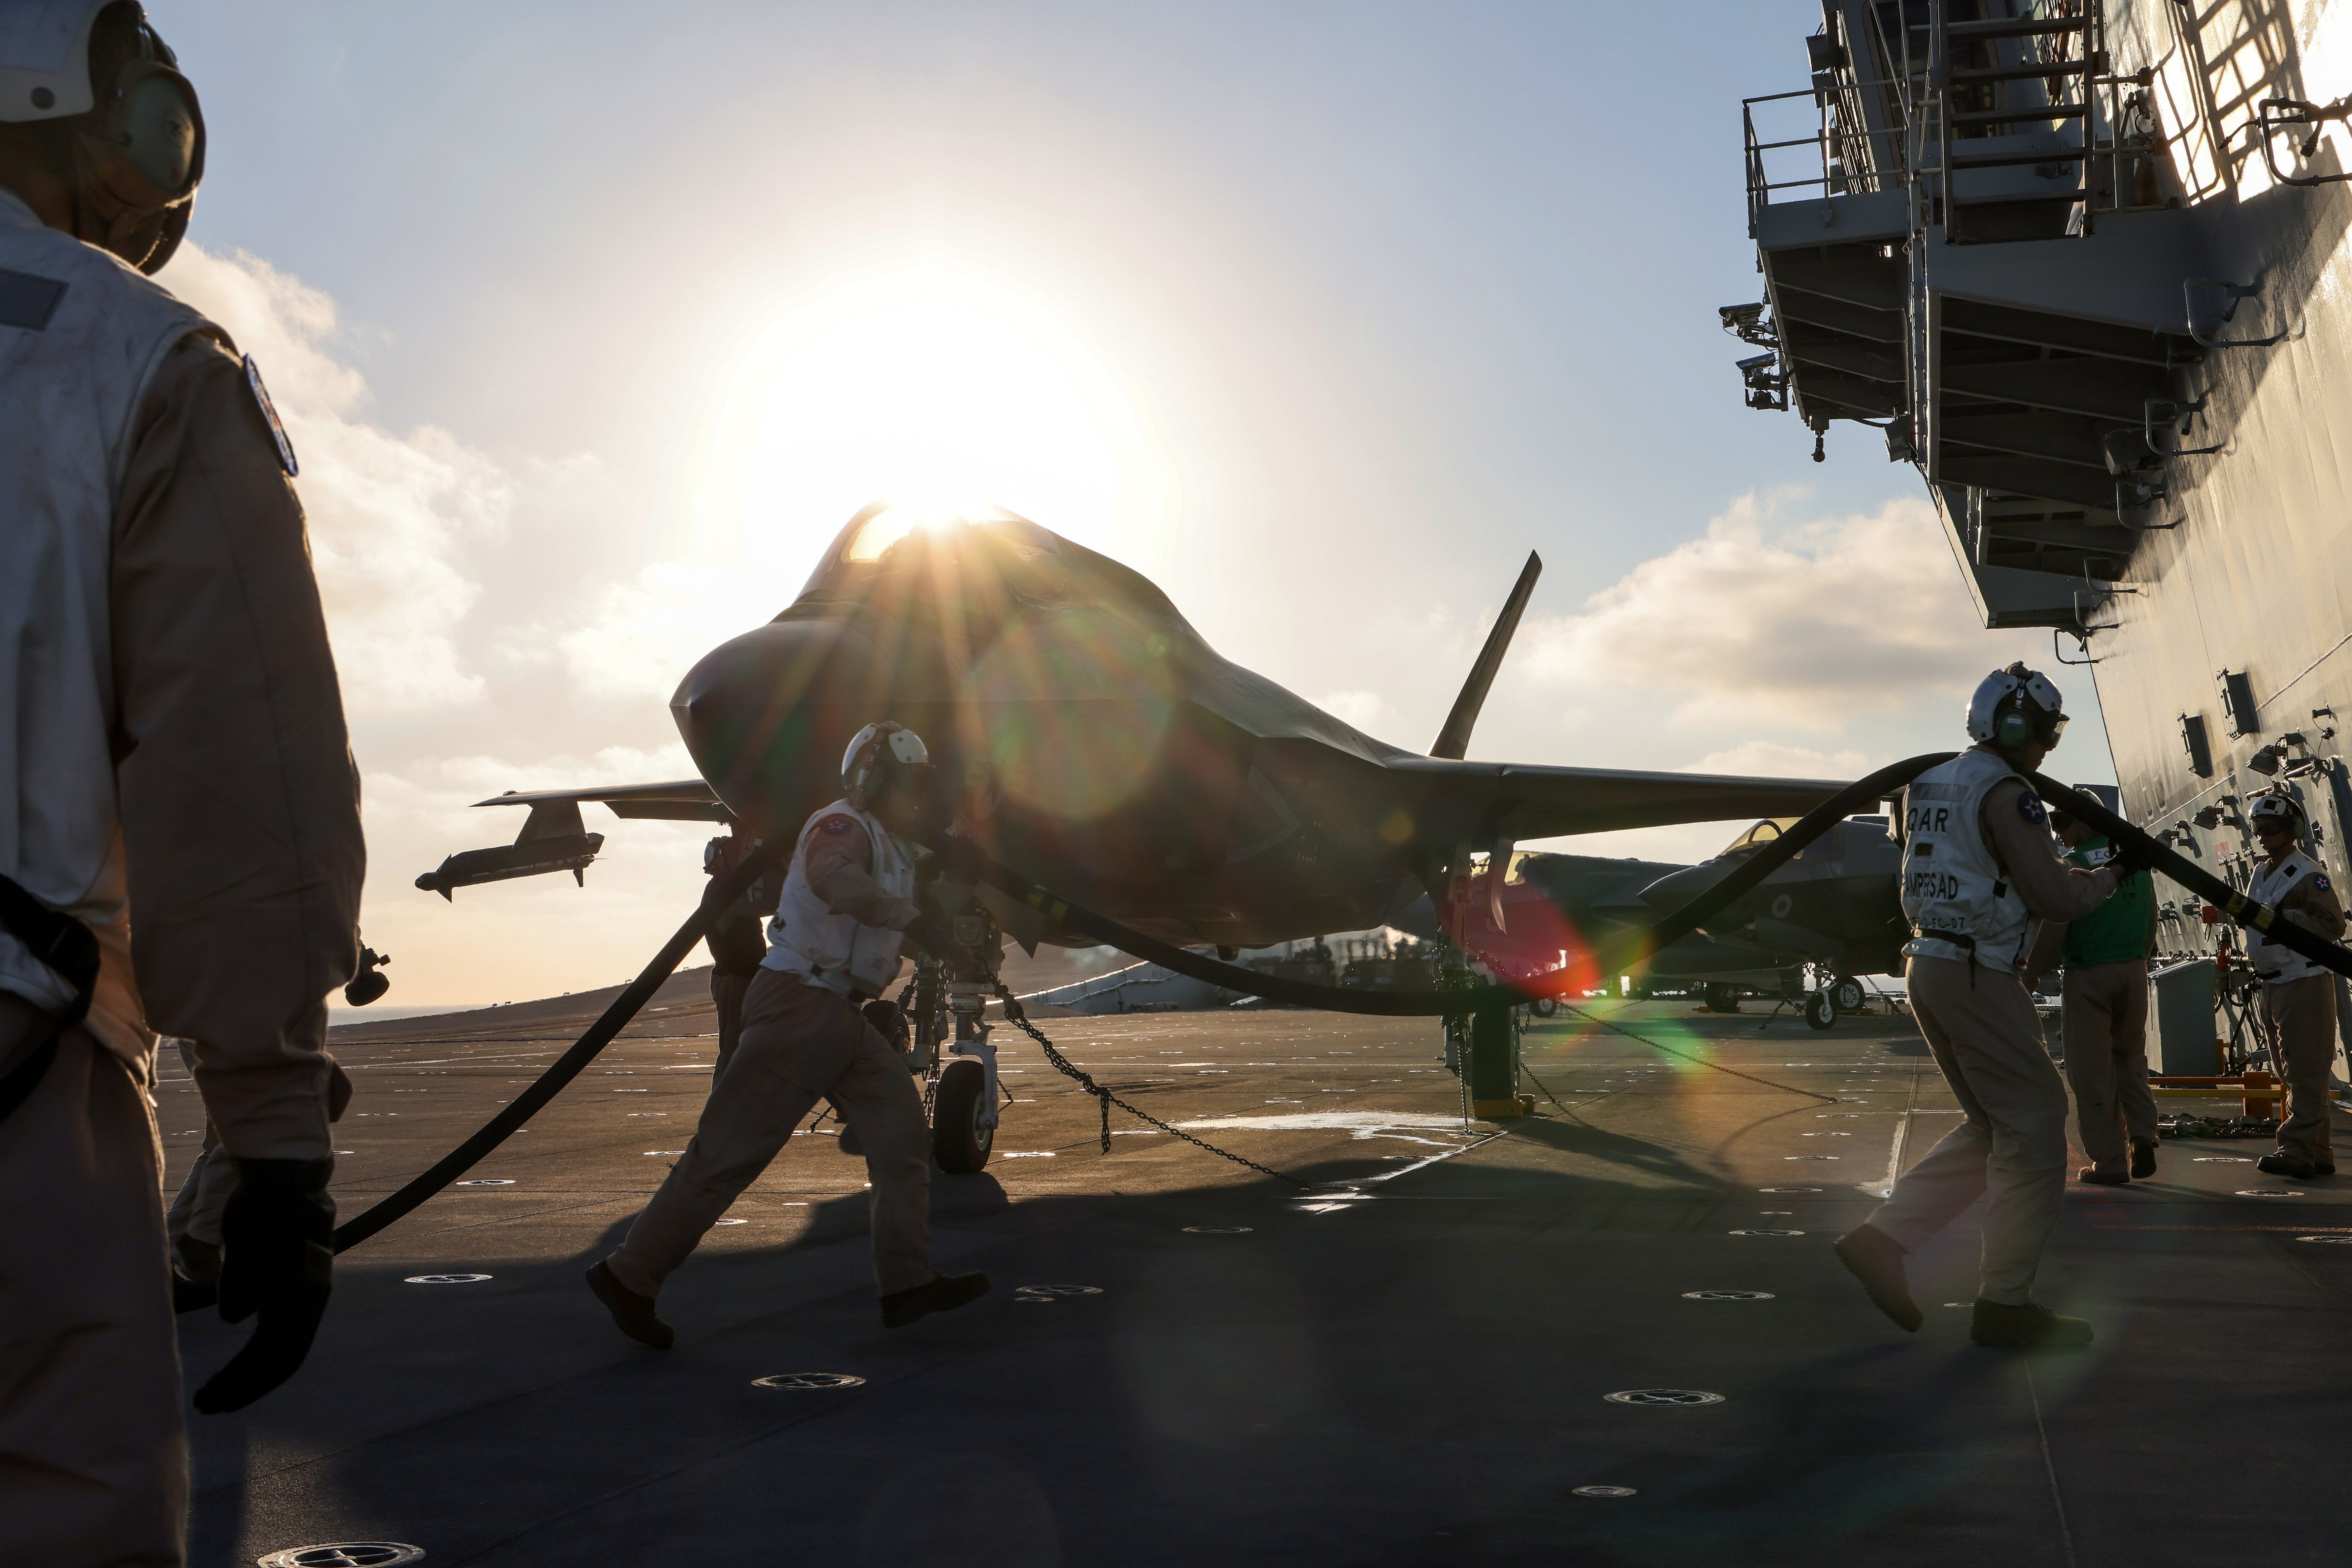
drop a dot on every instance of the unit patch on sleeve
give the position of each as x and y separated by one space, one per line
2030 806
2321 882
838 824
269 417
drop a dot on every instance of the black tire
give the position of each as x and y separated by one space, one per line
1543 1006
1821 1012
1848 994
1721 997
958 1142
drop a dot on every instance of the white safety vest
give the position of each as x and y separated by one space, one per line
80 336
2275 961
1951 884
809 939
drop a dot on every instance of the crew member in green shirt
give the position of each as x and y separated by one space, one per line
2104 1013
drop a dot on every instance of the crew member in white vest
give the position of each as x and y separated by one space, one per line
1978 867
173 765
2298 996
848 905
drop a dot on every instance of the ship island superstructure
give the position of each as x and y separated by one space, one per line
2086 265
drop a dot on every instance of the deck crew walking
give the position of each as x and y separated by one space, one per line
2298 996
848 904
2105 1015
1978 867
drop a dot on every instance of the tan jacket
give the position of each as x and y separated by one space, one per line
239 804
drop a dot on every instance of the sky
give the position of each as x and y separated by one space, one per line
592 323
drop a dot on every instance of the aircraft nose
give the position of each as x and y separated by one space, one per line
766 715
1676 889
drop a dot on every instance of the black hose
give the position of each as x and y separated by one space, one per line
715 898
2246 912
965 860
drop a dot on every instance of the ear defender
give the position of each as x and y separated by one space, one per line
2013 729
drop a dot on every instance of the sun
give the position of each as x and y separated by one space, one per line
941 388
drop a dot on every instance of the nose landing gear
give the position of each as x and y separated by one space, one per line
963 1096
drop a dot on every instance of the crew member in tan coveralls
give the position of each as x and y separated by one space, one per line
1978 867
848 902
2105 1013
172 762
2298 996
736 942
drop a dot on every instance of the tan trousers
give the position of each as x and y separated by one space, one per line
800 1042
2011 1149
204 1194
93 1454
727 994
2106 1061
2299 1017
211 1181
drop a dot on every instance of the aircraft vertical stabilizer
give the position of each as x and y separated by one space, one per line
1454 740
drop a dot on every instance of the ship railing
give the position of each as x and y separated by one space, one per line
1845 161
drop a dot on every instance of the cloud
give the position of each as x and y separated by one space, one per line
392 517
640 637
1811 626
1364 709
1771 759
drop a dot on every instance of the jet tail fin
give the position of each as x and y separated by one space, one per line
1454 740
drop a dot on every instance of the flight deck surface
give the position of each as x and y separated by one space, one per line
1408 1363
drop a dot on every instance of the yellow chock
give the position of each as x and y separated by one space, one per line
1500 1110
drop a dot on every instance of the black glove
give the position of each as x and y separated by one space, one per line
277 1259
2124 859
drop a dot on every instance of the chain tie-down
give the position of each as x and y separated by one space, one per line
1105 1098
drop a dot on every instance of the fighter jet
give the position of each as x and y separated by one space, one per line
1835 906
1099 745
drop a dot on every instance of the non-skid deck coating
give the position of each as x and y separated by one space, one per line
1414 1376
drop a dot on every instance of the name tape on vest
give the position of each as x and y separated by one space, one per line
28 300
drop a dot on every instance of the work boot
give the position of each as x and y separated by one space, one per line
633 1314
2143 1158
1875 1259
2031 1327
2102 1178
945 1293
2281 1162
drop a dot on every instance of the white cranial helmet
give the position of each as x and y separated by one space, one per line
2276 807
2014 706
878 753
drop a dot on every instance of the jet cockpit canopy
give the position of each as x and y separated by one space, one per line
982 559
1757 836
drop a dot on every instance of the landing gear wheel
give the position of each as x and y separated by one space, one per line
1543 1006
1721 997
1847 993
1821 1012
958 1142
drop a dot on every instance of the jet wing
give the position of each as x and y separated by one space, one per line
1524 802
684 800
